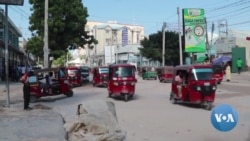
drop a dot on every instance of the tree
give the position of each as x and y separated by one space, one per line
152 47
66 26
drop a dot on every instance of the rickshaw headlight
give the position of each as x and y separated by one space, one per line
214 87
198 88
116 83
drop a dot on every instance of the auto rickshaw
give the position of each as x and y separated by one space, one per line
197 85
218 73
165 74
40 87
85 70
74 75
149 73
100 76
122 81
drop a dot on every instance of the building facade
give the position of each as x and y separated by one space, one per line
112 34
16 56
234 38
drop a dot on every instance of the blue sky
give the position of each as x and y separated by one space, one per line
150 14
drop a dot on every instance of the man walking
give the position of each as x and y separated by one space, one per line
239 65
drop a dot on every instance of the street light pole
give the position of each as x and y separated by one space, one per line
180 42
46 48
7 57
163 43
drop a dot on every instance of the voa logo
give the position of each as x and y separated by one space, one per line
224 117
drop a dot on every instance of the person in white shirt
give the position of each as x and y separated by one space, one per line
178 80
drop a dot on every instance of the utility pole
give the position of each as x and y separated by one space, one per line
223 29
163 43
7 56
46 48
207 44
116 58
180 42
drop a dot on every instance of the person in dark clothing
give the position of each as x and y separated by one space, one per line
26 89
207 58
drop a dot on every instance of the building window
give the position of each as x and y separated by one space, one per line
107 31
108 41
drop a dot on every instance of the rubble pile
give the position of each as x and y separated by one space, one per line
96 121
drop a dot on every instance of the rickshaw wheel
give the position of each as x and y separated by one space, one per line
33 99
69 93
208 106
219 82
172 99
110 95
126 97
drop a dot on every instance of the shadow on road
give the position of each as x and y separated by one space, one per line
51 98
120 98
193 106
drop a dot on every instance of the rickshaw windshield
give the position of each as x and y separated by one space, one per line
202 74
103 70
84 70
124 72
61 74
217 69
72 72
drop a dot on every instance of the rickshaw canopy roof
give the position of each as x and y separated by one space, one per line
122 65
188 67
48 70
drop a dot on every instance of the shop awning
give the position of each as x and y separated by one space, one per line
200 59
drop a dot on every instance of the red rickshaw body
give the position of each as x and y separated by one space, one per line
166 74
74 75
122 80
198 85
218 73
60 84
100 76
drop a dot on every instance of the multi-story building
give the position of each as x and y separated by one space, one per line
16 56
112 34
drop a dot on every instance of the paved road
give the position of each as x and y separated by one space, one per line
151 117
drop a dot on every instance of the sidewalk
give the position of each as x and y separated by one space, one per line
244 77
40 124
15 93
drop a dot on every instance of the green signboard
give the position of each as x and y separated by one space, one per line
194 30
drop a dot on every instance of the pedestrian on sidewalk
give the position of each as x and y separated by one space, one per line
26 89
228 72
239 65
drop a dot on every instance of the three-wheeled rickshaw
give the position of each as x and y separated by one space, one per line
165 74
100 76
196 86
40 83
85 70
74 75
149 73
122 81
218 73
